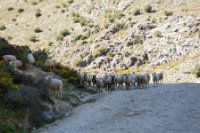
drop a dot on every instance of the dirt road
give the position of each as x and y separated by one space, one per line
169 108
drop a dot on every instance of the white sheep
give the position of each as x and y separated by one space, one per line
127 80
160 77
108 81
99 84
57 84
49 64
119 80
155 78
8 58
31 59
16 63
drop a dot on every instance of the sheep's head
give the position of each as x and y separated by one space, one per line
48 77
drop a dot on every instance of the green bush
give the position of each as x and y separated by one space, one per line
120 25
33 38
20 10
137 40
10 8
2 27
129 43
34 3
38 30
196 71
65 32
38 13
157 33
6 79
76 62
148 8
70 1
168 13
136 12
62 34
112 15
100 51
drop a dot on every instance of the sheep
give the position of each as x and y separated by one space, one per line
160 77
99 84
56 84
119 80
144 80
109 81
8 58
15 63
133 78
147 78
31 59
49 64
127 81
155 78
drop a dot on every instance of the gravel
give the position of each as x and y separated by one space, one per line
168 108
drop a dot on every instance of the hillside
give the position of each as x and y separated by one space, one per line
105 36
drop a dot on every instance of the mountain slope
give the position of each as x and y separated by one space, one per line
105 36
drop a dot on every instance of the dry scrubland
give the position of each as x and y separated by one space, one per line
97 36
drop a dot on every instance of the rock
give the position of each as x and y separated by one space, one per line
46 115
89 59
13 97
130 61
144 57
139 62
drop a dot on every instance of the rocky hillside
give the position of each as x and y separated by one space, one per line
109 35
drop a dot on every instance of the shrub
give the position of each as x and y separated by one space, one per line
38 30
113 14
38 13
110 54
70 1
120 25
136 12
6 79
157 33
196 70
168 13
129 43
148 8
65 32
20 10
76 62
10 8
137 40
2 27
33 38
62 34
100 51
34 3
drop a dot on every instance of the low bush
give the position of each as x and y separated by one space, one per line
20 10
168 13
157 33
38 30
148 8
10 8
136 12
100 51
2 27
33 38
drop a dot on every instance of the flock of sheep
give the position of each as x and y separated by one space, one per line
112 82
57 84
108 81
